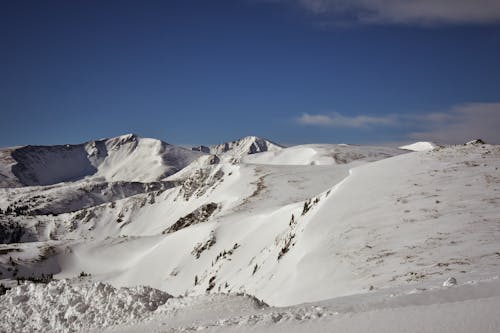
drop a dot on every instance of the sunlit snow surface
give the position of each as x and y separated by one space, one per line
419 146
367 234
73 306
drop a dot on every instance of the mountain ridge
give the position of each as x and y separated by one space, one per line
123 158
235 150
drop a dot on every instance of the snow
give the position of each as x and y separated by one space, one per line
465 308
388 223
142 159
323 233
420 146
325 154
62 306
72 306
234 151
124 158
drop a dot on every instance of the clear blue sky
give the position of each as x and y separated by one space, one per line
194 72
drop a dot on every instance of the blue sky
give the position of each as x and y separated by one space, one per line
293 71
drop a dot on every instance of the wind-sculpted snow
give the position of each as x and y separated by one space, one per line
62 306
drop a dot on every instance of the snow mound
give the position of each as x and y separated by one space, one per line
419 146
62 306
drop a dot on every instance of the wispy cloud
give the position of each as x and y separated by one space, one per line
458 124
461 123
419 12
337 120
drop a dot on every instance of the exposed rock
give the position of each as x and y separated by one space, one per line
475 142
201 247
451 281
199 215
203 149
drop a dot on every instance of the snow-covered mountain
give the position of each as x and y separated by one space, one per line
235 150
287 225
124 158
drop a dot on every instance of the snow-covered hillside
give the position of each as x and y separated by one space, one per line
342 226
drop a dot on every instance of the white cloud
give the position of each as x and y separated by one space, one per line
337 120
420 12
460 124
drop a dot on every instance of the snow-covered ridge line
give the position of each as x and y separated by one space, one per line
234 151
124 158
250 144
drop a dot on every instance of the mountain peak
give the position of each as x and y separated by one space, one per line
129 136
244 146
126 157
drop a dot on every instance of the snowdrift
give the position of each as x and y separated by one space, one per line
61 306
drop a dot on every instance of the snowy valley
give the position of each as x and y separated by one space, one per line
132 234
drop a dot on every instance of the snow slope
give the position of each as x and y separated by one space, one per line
397 221
325 154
